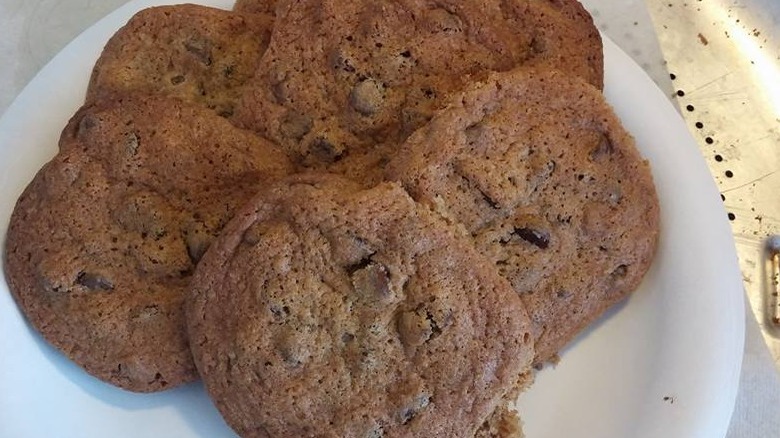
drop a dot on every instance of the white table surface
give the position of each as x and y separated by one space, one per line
35 30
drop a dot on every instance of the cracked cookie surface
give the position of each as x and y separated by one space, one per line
102 244
328 310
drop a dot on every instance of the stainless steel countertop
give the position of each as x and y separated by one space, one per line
724 57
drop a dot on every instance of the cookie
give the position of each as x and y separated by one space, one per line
343 83
191 52
102 244
255 6
539 171
328 310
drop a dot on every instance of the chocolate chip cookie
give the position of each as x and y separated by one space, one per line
255 6
540 172
102 244
328 310
343 83
195 53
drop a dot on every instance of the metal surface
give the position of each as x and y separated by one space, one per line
772 284
724 59
628 24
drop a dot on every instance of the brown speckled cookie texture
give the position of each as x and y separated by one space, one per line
326 310
195 53
103 242
541 173
255 6
344 82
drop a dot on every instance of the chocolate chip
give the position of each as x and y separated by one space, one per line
604 148
535 237
490 201
350 251
538 45
201 88
367 96
326 150
619 272
442 20
435 329
145 213
375 432
254 233
292 356
278 81
197 241
414 408
85 124
474 133
339 60
359 265
372 283
228 71
416 327
94 281
279 90
131 143
200 50
615 196
280 313
178 79
295 125
292 347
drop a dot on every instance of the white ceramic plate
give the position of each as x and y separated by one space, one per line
664 364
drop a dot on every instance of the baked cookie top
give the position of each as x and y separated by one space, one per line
539 170
345 79
102 244
255 6
191 52
327 310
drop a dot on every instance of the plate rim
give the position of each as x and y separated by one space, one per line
16 111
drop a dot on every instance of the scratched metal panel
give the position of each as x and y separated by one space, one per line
724 58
